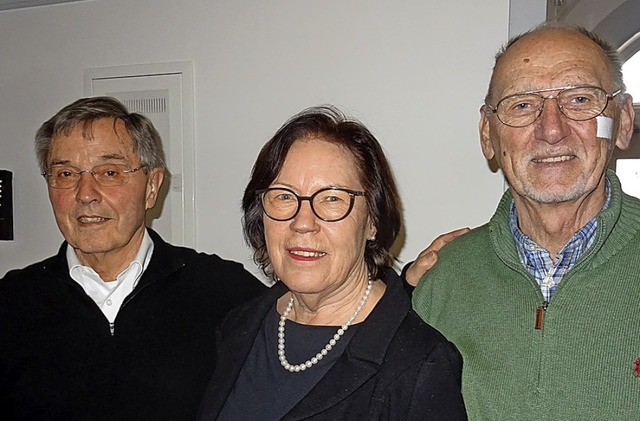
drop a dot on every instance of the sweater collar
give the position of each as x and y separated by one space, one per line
619 218
163 261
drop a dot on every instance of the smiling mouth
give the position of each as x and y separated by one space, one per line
307 253
91 219
553 159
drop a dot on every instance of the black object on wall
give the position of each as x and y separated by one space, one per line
6 205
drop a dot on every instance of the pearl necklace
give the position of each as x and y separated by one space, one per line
332 342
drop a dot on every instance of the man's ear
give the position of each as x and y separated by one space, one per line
154 182
485 138
625 123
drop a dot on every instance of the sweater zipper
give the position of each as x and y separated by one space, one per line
112 326
136 291
540 314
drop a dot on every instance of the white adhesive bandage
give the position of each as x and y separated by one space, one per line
604 127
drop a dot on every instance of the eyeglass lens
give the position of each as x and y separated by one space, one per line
327 204
580 103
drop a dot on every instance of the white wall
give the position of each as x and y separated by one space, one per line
414 71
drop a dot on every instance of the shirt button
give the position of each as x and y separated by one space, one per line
109 302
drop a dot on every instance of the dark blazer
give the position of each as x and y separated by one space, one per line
395 367
59 361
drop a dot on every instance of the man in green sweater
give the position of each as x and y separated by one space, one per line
543 301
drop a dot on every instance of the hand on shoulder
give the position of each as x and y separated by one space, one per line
428 257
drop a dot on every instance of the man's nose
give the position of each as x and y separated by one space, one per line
87 189
551 125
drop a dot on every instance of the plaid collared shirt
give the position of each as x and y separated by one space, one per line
538 260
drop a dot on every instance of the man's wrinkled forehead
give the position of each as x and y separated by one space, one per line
550 58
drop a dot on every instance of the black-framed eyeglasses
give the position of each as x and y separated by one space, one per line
330 204
575 102
108 175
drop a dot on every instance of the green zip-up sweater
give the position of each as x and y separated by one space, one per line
584 363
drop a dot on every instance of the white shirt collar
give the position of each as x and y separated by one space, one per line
109 296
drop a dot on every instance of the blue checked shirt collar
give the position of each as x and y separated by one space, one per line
537 259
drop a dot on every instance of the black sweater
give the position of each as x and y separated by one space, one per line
59 361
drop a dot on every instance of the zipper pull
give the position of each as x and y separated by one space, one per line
540 314
112 328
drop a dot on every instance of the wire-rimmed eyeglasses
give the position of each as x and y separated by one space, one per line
330 204
108 175
575 102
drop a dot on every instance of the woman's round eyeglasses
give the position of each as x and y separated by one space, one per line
330 204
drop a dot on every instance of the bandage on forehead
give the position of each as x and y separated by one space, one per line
604 127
